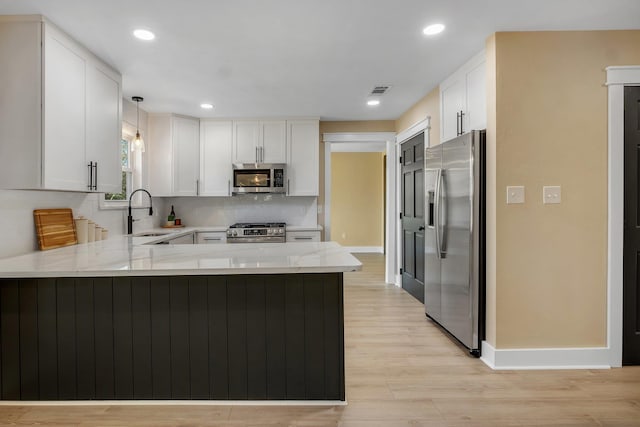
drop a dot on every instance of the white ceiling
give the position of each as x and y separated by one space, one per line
268 58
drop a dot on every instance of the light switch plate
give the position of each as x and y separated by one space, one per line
515 194
551 194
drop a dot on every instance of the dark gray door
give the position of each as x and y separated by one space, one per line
413 216
631 292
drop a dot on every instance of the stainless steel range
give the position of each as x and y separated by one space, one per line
244 232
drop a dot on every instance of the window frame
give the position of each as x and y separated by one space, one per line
105 204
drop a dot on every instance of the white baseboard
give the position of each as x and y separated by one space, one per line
546 358
365 249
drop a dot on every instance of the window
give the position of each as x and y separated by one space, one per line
127 172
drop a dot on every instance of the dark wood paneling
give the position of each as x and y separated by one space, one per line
198 338
10 336
218 362
85 343
103 306
294 336
29 389
122 338
237 336
47 340
160 338
256 339
66 318
275 328
141 336
314 336
179 289
333 337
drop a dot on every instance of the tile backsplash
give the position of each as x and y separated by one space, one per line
19 236
203 211
16 211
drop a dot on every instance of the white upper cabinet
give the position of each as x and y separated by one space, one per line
60 113
216 140
104 106
173 148
463 99
259 141
303 166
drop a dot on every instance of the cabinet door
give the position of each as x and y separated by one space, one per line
274 142
211 237
476 115
64 118
303 236
452 100
216 140
186 156
104 127
246 139
303 166
159 155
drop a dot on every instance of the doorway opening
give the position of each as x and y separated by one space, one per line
364 178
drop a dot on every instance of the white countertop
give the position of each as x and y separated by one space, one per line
135 256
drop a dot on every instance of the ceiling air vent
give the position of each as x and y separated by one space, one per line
379 90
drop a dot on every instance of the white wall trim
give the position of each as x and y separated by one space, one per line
365 249
413 130
358 137
617 78
359 140
545 358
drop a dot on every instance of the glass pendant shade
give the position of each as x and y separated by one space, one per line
138 143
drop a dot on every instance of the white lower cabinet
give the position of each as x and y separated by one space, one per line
174 155
303 236
211 237
61 109
182 240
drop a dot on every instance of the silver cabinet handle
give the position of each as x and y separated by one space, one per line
303 238
288 186
197 187
261 154
213 238
228 187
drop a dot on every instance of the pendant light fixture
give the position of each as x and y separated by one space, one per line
138 143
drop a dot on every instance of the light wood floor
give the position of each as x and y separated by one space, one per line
401 371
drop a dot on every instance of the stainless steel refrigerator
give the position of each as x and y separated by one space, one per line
455 234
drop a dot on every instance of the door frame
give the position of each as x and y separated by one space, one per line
402 137
617 78
359 142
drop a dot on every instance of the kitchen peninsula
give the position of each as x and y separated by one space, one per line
127 319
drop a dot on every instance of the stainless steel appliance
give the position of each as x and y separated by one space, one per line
455 236
259 178
274 232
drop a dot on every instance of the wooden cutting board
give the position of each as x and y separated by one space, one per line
55 228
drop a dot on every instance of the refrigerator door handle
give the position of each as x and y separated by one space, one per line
442 216
436 212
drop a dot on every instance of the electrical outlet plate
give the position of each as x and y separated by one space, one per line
515 194
551 194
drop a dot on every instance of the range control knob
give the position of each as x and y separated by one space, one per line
235 233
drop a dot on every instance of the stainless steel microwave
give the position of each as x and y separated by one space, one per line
259 178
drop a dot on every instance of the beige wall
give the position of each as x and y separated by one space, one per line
357 199
551 129
429 105
346 127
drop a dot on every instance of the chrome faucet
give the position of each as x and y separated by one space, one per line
129 217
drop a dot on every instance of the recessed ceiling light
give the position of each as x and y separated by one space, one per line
144 34
433 29
206 106
373 102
